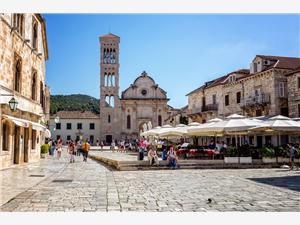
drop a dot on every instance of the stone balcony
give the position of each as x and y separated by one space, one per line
256 100
209 108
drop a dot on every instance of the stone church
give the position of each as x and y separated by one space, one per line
143 102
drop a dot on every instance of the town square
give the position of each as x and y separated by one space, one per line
149 113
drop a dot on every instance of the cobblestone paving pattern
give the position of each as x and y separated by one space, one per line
93 187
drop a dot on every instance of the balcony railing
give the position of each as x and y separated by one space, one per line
209 107
261 99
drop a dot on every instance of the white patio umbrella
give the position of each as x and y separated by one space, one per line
152 132
233 125
169 131
278 124
198 129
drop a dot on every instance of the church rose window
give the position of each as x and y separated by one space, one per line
144 92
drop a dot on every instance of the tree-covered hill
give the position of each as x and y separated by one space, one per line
75 102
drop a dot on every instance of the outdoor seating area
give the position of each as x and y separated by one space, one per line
236 139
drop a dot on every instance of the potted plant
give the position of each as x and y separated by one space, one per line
281 154
231 155
268 155
245 154
44 150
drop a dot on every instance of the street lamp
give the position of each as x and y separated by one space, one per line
13 104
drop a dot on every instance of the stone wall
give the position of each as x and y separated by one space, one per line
293 94
13 44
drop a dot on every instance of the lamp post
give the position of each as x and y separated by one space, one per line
13 104
13 107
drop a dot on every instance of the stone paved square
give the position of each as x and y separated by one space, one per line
91 187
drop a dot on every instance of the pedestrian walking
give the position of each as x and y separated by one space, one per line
50 144
293 152
52 147
101 145
71 150
112 146
97 142
78 147
85 150
59 148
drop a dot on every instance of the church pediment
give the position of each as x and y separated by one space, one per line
144 87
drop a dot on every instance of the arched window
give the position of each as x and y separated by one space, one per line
18 23
35 35
107 103
128 122
113 79
33 86
109 80
159 120
108 119
112 101
17 75
105 79
42 94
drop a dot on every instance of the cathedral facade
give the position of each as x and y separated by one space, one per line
143 104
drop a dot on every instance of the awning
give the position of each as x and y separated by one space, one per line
18 121
47 133
25 123
37 126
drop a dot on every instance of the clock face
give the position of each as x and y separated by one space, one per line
144 92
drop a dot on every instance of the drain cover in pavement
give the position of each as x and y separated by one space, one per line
36 175
62 180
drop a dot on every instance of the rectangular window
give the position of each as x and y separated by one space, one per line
298 110
214 99
92 126
238 97
255 67
58 126
79 126
281 89
68 137
226 100
69 126
298 82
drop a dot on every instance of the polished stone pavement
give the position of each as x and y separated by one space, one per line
93 187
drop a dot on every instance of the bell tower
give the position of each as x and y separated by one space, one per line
109 88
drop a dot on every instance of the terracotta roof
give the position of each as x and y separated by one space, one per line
282 62
297 70
219 80
109 35
76 115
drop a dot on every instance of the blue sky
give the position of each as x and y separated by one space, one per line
180 52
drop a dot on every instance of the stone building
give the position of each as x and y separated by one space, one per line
143 102
177 116
260 91
23 52
293 83
267 89
76 125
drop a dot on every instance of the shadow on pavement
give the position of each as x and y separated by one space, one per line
289 182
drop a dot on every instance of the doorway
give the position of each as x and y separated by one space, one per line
259 141
26 144
108 139
17 145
